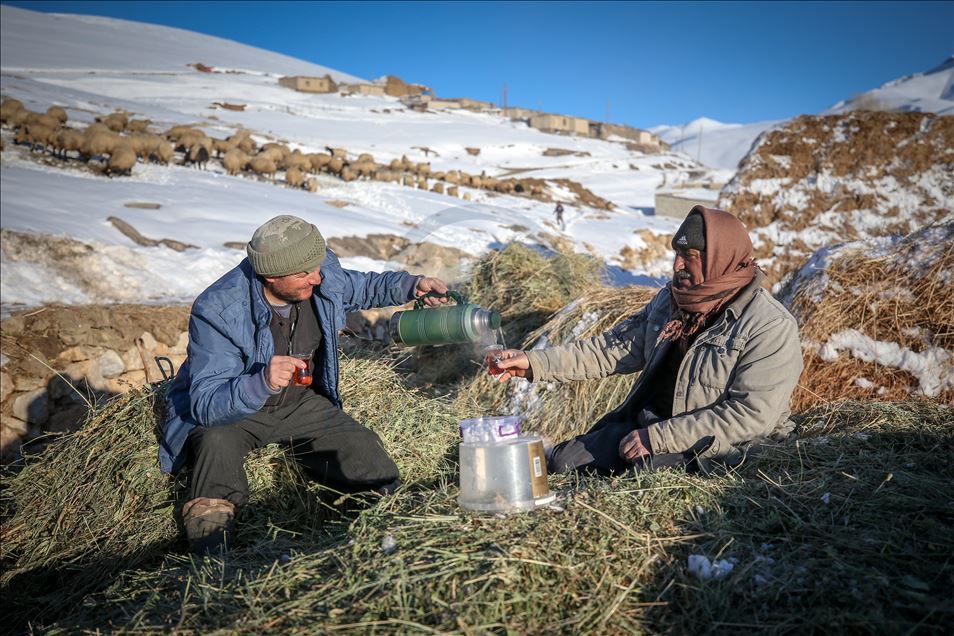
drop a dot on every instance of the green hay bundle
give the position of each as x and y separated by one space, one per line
555 410
95 502
872 556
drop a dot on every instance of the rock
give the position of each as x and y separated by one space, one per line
32 407
6 386
74 354
147 341
24 382
181 345
14 424
110 364
126 381
131 359
10 444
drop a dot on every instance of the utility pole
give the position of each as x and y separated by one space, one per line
609 104
503 96
699 147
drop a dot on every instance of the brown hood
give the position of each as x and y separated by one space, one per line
727 242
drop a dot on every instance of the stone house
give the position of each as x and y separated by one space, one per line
309 84
376 90
564 124
677 202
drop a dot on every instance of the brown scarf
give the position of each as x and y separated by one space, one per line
728 268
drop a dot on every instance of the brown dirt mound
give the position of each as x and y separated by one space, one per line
898 292
823 180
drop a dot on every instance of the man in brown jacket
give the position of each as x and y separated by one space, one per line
719 357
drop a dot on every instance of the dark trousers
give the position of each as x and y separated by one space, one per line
597 450
331 446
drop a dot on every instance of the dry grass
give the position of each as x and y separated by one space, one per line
904 295
560 411
849 529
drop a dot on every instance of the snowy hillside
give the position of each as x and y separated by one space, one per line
722 146
930 92
99 65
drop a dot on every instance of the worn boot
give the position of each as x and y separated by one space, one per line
208 524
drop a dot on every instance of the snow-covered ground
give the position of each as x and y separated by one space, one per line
98 65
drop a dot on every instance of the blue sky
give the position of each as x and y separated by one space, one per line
643 63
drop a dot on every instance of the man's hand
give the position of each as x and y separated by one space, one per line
635 445
428 284
280 370
515 364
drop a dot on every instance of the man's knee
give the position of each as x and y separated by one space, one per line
364 459
217 439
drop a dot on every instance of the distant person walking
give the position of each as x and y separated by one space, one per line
558 213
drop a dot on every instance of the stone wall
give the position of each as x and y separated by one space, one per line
56 360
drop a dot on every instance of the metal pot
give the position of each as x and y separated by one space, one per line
503 476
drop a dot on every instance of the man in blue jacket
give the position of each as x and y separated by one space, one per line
237 389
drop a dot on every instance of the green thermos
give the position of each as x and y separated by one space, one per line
462 322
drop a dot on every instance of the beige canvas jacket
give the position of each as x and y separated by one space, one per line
734 384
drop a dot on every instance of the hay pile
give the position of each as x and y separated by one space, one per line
527 285
820 181
876 319
847 530
556 410
95 503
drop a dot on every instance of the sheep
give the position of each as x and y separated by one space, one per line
35 135
311 185
439 176
222 146
116 121
8 107
348 173
421 183
298 160
438 188
174 133
466 196
42 119
365 168
396 164
58 113
18 117
121 159
235 161
198 156
189 140
318 160
424 169
452 191
452 177
98 143
138 125
294 177
408 180
335 165
364 156
282 148
273 154
244 141
263 166
67 139
339 153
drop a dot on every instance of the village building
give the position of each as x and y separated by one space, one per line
676 202
376 90
560 124
309 84
604 130
430 102
516 113
396 87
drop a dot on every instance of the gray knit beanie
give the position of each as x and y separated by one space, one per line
286 245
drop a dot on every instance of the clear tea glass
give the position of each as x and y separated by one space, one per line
492 359
303 377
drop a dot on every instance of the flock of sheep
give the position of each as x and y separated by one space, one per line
119 142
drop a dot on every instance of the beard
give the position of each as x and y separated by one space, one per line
682 279
291 297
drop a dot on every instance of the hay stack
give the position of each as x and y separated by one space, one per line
875 318
526 285
94 502
558 410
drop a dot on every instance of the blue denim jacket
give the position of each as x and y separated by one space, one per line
230 343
